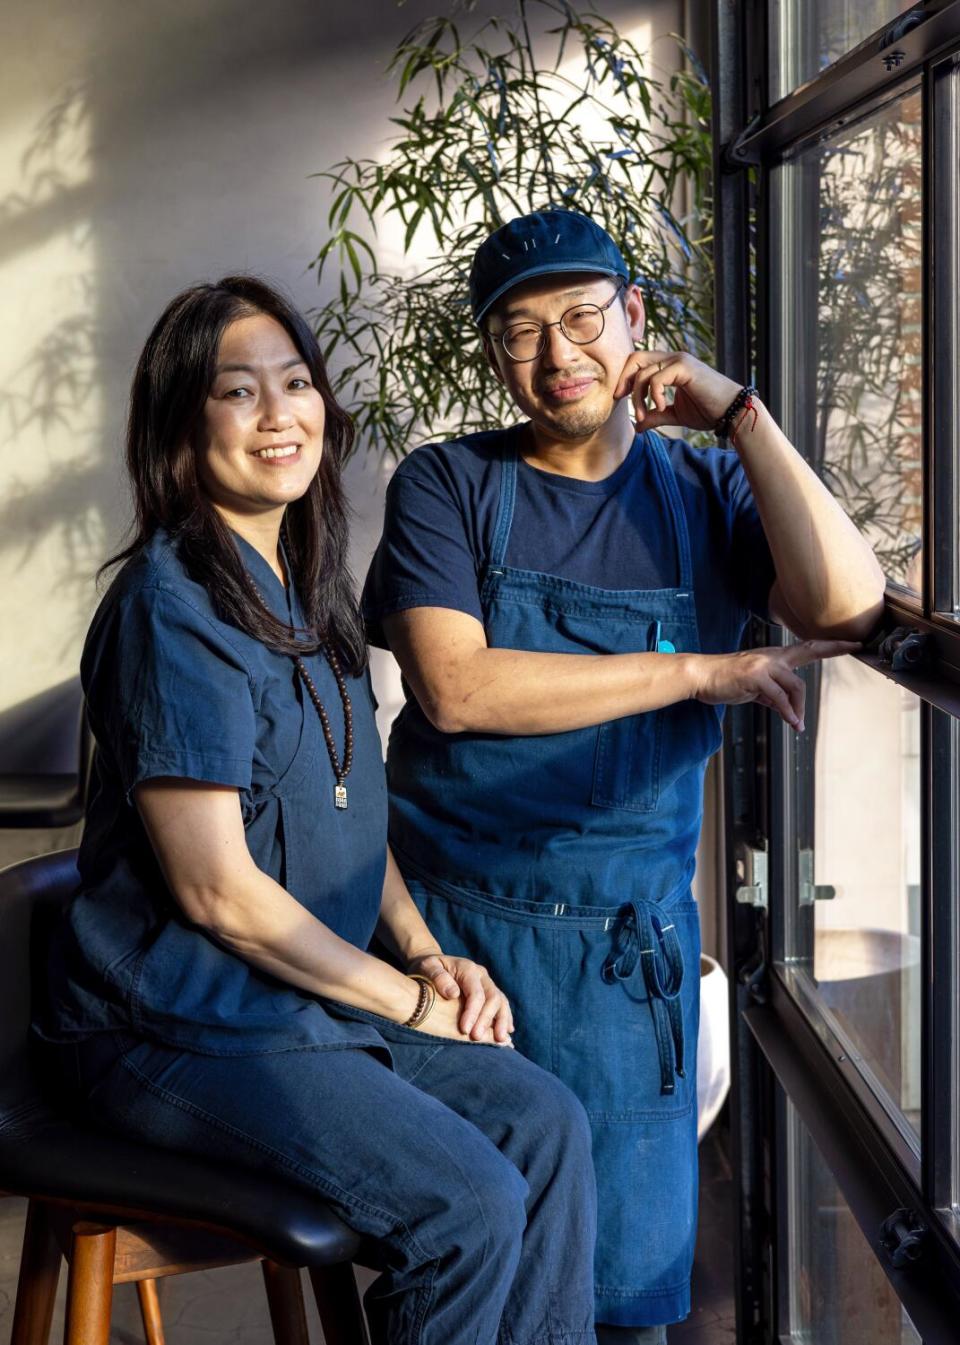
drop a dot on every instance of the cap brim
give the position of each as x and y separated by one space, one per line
545 269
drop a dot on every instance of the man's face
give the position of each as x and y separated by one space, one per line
568 389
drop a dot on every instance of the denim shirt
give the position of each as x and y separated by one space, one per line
172 690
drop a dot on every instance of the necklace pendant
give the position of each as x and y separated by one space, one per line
340 796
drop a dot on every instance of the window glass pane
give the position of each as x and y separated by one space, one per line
808 35
945 241
839 1294
859 871
848 211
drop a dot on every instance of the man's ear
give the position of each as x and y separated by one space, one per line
491 355
635 313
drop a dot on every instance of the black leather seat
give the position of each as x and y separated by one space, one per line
91 1179
46 753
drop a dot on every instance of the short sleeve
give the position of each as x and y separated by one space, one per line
425 557
171 693
753 568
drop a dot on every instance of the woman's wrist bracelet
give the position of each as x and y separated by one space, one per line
742 402
427 999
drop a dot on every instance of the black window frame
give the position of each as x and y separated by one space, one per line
774 1039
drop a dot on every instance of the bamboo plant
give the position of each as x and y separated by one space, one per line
492 125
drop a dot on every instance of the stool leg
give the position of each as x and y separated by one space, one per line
150 1312
90 1285
39 1273
285 1300
338 1304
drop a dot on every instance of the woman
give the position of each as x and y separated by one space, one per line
210 988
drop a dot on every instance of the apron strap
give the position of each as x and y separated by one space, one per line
643 937
506 502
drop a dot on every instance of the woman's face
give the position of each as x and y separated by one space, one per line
261 437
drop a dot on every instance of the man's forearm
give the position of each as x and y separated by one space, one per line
827 573
464 686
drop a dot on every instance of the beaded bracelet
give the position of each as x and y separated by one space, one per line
425 1002
742 402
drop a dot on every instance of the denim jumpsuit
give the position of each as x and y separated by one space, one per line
564 863
466 1168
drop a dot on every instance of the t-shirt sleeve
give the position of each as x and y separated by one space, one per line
172 694
425 557
753 569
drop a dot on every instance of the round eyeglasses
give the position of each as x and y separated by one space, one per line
524 341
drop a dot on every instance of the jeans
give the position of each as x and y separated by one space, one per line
467 1166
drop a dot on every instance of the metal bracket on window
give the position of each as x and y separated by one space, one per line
807 890
902 1236
735 153
752 869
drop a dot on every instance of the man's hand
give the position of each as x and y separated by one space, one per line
763 675
484 1010
700 396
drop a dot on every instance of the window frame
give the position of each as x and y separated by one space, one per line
776 1037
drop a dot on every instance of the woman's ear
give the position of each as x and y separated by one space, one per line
635 313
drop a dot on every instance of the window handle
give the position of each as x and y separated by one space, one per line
902 1237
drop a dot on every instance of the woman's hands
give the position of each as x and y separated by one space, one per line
766 676
466 998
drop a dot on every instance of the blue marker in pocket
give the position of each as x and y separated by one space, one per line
663 646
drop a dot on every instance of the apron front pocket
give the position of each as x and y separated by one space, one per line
626 772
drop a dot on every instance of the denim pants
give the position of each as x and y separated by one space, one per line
467 1166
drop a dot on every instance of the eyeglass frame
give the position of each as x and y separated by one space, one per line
545 326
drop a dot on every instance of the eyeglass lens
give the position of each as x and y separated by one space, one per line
581 325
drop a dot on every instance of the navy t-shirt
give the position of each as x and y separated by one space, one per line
616 533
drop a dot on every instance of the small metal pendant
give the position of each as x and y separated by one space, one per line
340 796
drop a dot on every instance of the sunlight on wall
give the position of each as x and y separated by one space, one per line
51 524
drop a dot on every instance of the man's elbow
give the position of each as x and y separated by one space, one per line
446 712
859 625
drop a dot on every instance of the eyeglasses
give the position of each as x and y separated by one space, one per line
524 341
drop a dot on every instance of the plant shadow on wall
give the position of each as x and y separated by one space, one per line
493 126
49 390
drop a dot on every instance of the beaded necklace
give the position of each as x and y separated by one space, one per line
341 769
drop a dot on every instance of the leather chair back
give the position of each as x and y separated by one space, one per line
31 895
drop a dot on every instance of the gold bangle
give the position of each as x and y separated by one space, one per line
427 999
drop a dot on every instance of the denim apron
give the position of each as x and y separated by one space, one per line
563 862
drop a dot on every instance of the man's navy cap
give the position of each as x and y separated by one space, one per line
536 245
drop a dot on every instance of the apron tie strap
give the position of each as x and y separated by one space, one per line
644 937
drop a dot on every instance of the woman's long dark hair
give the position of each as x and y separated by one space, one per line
170 387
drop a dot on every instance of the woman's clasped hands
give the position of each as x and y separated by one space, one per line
469 1006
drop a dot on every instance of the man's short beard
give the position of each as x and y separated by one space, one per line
580 422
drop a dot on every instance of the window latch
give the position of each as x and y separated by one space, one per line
752 872
906 650
807 890
902 1236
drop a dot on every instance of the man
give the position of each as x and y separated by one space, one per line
565 598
